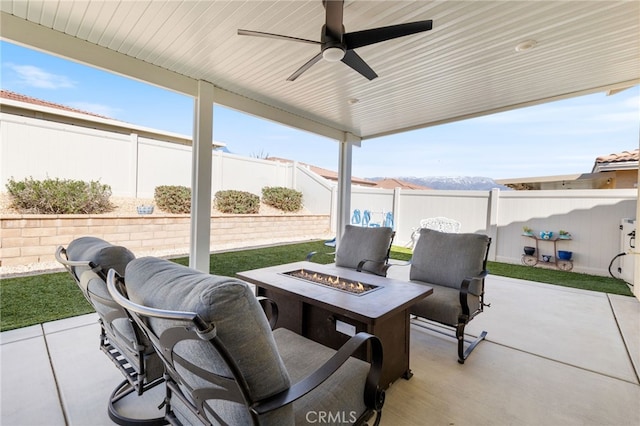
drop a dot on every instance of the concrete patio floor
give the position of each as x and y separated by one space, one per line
553 356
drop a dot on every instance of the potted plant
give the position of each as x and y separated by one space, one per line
529 251
527 231
564 235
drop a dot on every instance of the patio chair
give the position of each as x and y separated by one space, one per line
88 259
442 224
363 249
455 265
225 365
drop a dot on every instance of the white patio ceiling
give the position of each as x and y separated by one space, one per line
466 66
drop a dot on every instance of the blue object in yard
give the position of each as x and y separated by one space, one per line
355 218
388 220
366 218
330 243
564 255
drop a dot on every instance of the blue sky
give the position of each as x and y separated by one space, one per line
556 138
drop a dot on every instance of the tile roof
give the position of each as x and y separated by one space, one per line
6 94
619 157
392 183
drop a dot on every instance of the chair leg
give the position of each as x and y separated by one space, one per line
462 353
123 390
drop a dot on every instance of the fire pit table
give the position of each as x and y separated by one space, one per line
329 304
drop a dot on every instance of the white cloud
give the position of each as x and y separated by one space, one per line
37 77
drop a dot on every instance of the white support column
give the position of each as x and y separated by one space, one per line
200 236
345 161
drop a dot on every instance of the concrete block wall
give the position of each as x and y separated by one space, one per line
27 239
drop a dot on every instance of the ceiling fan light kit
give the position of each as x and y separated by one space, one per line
333 54
336 45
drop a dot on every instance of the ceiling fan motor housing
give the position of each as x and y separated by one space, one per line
333 49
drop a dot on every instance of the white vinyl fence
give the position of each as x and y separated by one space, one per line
131 164
134 165
593 218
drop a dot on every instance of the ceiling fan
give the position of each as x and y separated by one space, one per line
336 45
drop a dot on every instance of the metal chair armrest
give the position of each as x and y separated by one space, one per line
374 396
465 290
61 257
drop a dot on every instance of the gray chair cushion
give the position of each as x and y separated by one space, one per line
443 305
340 395
446 259
240 322
99 252
361 243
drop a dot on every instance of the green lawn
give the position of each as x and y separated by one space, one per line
37 299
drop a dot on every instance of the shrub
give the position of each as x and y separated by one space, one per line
286 199
238 202
173 198
59 196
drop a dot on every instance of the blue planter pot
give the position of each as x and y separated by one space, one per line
564 255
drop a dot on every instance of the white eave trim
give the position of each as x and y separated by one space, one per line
615 166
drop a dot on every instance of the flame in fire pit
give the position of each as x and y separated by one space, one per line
332 281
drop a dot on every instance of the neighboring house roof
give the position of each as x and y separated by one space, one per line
600 177
325 173
573 181
624 160
6 94
392 183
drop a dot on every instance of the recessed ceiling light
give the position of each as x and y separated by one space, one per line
526 45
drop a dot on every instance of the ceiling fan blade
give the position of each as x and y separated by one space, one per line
352 59
333 10
376 35
305 67
276 36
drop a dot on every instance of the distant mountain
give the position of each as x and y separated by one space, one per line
476 183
